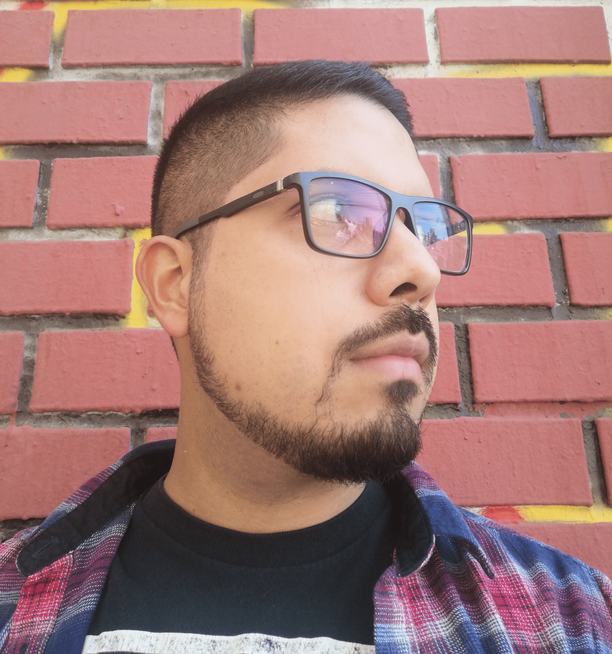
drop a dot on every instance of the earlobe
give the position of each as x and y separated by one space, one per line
163 270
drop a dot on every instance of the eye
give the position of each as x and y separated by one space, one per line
329 209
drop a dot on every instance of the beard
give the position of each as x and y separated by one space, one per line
375 448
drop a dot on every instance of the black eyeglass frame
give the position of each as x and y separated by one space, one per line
301 181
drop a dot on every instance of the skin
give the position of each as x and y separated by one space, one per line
274 311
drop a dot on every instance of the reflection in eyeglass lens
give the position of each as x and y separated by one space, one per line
443 232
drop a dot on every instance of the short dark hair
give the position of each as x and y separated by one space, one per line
233 129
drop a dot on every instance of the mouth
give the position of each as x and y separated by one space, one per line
405 356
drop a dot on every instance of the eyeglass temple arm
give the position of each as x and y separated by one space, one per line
232 208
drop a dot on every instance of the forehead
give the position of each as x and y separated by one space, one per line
344 134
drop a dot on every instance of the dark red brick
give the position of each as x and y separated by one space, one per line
479 108
588 542
446 387
588 264
577 106
534 185
506 270
378 36
127 37
571 35
18 183
101 192
115 370
180 96
74 112
430 166
604 432
25 38
542 361
66 277
39 468
11 363
160 433
496 461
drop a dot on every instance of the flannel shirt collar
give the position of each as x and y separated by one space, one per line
424 511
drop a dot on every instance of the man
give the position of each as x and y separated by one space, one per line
295 258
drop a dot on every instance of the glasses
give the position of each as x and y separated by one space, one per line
347 216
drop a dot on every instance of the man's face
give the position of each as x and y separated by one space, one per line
312 356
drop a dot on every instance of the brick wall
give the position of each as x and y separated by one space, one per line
513 122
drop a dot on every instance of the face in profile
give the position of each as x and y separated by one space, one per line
324 361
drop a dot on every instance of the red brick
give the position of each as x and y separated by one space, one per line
604 432
25 38
126 37
446 387
74 112
523 34
534 185
180 96
577 106
588 264
378 36
123 370
588 542
101 192
11 362
494 461
542 361
66 277
506 270
18 183
430 166
39 468
481 108
160 433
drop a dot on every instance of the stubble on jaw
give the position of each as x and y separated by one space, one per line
376 448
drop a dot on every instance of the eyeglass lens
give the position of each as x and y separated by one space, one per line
348 217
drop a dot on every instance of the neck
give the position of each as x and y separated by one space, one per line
220 476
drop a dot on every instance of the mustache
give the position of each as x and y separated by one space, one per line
400 319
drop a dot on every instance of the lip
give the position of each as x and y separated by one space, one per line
401 357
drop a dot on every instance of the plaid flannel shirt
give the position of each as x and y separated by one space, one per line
459 582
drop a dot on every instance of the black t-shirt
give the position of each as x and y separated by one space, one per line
175 575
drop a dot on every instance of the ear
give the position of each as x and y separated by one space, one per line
163 269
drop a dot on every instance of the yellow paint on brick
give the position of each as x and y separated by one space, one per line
533 70
15 75
572 514
605 145
490 228
138 315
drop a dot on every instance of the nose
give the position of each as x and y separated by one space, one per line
403 271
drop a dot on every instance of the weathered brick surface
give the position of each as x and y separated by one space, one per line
534 185
101 192
39 468
588 264
588 542
11 363
378 36
74 112
25 38
604 433
523 34
18 183
66 277
506 270
481 108
125 37
484 461
542 361
180 96
430 166
125 370
160 433
446 387
577 106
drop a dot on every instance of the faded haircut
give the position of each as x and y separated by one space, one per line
234 129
